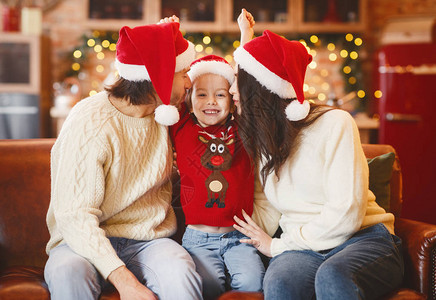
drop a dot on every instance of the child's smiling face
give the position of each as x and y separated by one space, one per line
211 100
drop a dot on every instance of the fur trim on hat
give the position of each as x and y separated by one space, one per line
212 67
296 111
184 59
265 77
166 115
132 72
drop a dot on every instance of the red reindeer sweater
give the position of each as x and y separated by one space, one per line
216 176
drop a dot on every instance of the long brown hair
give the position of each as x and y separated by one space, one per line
264 129
136 92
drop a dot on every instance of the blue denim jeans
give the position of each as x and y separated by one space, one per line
162 265
367 266
222 261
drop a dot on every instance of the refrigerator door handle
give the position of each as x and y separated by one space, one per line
395 117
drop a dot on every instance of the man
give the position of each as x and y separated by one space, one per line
110 213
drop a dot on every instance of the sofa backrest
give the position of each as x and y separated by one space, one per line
25 196
24 200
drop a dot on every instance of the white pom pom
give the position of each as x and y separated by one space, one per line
166 115
296 111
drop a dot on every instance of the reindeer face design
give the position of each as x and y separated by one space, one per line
217 158
217 155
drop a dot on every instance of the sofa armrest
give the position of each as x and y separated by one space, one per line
419 249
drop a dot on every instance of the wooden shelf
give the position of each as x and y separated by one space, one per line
291 21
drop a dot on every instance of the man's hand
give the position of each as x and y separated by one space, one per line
171 19
128 286
258 238
246 23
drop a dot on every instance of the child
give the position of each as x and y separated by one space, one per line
217 181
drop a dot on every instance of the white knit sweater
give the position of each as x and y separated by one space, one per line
323 193
110 177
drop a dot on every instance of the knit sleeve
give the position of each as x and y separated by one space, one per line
344 180
78 189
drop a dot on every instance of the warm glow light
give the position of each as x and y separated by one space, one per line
312 52
314 39
236 44
303 42
92 93
331 46
100 55
305 87
77 54
99 68
75 66
324 73
312 90
312 65
321 97
343 53
354 55
229 58
358 41
206 40
346 69
352 80
105 43
198 48
113 47
361 94
333 57
325 86
95 84
91 43
96 33
208 50
378 94
349 37
98 48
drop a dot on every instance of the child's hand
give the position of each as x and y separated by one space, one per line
246 23
245 20
171 19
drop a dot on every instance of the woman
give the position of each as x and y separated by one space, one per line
337 243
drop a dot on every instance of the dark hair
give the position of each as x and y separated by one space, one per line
136 92
264 129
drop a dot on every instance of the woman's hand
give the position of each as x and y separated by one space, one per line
171 19
258 238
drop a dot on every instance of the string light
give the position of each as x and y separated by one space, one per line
361 94
199 48
208 50
314 39
343 53
331 46
321 97
358 41
378 94
352 80
354 55
91 43
333 57
75 66
98 48
346 69
105 44
349 37
207 40
100 55
236 44
77 54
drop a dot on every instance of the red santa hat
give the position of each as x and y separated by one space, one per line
279 65
154 53
212 64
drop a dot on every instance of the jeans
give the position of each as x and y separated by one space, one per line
367 266
222 260
162 265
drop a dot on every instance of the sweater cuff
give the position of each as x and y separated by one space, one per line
106 264
277 247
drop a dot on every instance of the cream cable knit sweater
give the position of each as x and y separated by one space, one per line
323 193
110 178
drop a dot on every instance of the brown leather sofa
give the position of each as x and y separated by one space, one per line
25 195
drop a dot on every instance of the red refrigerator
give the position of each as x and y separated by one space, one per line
406 76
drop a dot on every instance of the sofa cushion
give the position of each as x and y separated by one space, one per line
380 172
